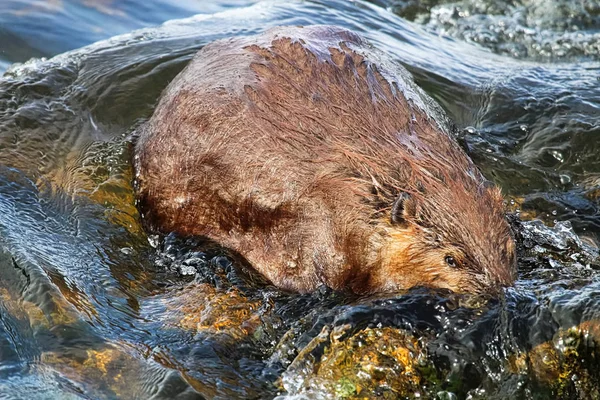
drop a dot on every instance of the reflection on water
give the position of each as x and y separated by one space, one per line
90 307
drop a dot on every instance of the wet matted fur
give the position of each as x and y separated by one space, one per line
316 157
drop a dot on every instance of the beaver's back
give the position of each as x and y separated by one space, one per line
287 147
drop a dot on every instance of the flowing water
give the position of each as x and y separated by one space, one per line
91 307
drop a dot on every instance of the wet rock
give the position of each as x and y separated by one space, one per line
112 372
203 308
541 29
568 366
373 363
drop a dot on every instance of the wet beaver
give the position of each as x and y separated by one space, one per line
315 157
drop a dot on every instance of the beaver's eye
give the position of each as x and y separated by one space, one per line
450 261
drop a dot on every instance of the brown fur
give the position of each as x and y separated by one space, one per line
291 148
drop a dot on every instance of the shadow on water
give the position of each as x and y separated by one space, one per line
91 307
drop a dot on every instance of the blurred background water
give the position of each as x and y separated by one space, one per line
93 308
43 28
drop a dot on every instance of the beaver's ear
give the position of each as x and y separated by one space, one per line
403 209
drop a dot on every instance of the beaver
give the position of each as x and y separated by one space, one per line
315 156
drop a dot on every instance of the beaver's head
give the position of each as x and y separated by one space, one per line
453 237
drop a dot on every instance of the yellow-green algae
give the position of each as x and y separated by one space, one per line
566 366
202 308
373 363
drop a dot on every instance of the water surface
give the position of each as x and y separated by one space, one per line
92 307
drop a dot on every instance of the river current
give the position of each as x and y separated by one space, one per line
92 307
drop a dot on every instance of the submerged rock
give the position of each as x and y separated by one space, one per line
374 363
566 367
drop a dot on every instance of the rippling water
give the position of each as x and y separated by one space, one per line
91 307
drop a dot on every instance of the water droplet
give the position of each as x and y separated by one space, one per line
565 179
153 240
187 270
557 155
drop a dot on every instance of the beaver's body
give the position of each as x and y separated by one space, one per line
312 155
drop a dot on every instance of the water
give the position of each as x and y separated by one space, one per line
93 308
40 28
545 30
